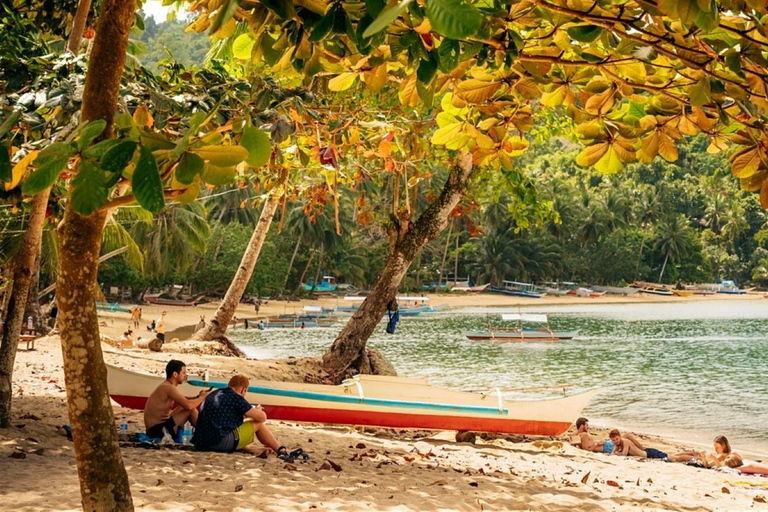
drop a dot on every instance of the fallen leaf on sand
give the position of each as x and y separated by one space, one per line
39 451
18 455
335 466
324 467
725 490
29 416
439 482
759 499
360 446
238 488
586 477
409 459
613 483
290 467
159 481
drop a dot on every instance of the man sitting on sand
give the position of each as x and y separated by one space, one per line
160 417
587 441
227 422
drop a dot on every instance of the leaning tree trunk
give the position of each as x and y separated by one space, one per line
663 267
32 309
216 327
304 273
445 255
103 479
78 26
348 350
290 263
17 300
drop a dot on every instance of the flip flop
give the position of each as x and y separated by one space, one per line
299 453
282 454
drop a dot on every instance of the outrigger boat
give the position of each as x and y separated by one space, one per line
521 333
395 402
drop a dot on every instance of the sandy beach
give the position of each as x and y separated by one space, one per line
350 468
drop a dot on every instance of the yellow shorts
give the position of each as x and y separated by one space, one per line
245 435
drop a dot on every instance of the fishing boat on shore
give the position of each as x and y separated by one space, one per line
616 290
521 332
518 289
375 400
653 288
164 301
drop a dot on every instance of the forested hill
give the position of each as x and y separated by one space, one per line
188 48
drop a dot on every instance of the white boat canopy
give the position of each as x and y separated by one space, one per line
314 309
524 317
399 297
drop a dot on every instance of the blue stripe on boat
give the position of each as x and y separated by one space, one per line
308 395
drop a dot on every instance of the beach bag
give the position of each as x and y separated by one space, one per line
393 319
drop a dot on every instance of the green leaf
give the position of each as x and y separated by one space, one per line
584 33
636 109
48 169
454 19
258 145
117 157
190 165
242 46
155 141
448 52
226 11
216 175
147 186
427 68
6 169
385 17
324 26
89 132
97 151
89 189
698 93
374 7
283 8
223 156
733 61
57 149
426 93
610 162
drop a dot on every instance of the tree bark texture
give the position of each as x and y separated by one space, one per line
78 26
348 350
17 300
216 327
103 479
32 308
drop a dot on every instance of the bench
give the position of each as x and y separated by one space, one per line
29 339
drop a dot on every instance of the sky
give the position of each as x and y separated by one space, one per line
157 10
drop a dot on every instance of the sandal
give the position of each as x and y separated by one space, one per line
298 453
282 454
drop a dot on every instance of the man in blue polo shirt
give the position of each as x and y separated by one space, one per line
227 422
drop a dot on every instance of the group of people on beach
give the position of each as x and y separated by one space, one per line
224 420
628 445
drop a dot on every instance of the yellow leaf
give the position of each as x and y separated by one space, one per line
316 6
20 169
746 162
590 129
408 94
452 136
142 117
625 150
764 195
342 82
649 148
717 145
515 145
487 124
447 105
385 148
557 96
227 30
528 88
610 163
754 182
592 154
424 28
444 119
192 191
477 91
687 126
376 78
667 148
600 104
633 70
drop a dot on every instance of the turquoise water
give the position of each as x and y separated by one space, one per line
686 370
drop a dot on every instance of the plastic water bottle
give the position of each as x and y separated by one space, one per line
186 436
124 426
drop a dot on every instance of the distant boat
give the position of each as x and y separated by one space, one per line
616 290
328 285
157 298
518 289
653 288
521 332
683 293
418 307
384 401
730 288
112 307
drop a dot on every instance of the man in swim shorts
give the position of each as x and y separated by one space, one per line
227 422
160 417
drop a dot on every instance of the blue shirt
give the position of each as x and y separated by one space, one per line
222 412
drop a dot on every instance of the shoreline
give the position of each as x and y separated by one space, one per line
379 469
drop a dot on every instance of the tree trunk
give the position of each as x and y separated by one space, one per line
348 350
17 300
456 260
78 26
304 273
663 267
216 327
640 256
320 260
32 308
103 479
290 264
445 255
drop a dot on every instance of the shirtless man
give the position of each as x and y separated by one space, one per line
159 413
625 446
587 442
160 327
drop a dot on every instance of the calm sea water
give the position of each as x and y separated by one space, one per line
686 370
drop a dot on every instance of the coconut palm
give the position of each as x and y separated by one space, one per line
674 239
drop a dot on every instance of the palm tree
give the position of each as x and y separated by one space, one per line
674 239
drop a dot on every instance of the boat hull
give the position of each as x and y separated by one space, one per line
524 335
379 401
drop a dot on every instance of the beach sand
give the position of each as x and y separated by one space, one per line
350 468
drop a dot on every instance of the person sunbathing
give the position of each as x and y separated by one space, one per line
703 459
629 445
747 466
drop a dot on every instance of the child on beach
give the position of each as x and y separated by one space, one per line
704 459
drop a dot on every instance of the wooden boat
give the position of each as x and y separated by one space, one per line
683 293
616 290
375 400
328 285
518 289
522 333
653 288
729 287
163 301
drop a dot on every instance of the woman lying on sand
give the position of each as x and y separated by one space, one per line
704 459
746 466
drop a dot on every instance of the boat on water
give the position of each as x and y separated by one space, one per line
521 332
407 305
384 401
327 285
518 289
